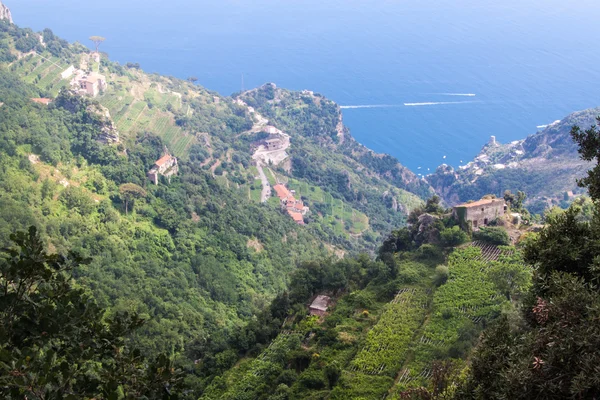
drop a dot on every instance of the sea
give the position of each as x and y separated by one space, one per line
427 81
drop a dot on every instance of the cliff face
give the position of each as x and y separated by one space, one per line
5 13
544 165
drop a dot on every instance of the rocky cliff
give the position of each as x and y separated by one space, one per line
5 13
545 166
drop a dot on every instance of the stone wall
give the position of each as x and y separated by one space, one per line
482 215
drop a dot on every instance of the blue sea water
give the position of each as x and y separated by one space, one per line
528 62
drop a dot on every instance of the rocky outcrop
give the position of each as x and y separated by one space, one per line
545 166
5 13
109 133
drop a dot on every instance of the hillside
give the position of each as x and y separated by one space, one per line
186 245
545 166
198 253
356 195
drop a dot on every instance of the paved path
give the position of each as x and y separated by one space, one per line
266 188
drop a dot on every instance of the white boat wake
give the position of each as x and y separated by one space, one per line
372 106
437 103
431 103
457 94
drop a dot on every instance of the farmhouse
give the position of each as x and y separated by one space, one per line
92 84
319 305
295 208
480 213
273 144
165 166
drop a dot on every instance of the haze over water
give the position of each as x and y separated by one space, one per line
526 64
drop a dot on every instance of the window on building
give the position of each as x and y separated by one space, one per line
485 221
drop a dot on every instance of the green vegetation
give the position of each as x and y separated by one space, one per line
549 349
55 342
196 269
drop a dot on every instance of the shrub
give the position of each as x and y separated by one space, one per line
429 252
441 275
452 237
492 235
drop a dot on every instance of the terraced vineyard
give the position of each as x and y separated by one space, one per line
42 70
341 218
133 116
370 373
460 309
245 381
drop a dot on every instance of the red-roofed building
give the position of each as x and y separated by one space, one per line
297 217
282 192
166 166
295 208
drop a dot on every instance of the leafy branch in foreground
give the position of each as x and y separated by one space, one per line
55 342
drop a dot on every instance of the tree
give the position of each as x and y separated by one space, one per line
55 341
192 79
589 149
129 192
433 205
510 278
98 40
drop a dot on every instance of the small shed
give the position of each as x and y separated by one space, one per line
319 305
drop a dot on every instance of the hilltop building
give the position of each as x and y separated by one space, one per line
319 305
480 213
165 166
92 84
273 143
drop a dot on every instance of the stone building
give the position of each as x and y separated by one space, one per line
165 166
480 213
319 305
92 84
273 144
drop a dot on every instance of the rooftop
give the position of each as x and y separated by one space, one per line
296 216
282 191
94 77
161 161
42 101
321 303
484 202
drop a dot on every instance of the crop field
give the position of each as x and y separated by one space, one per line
371 373
126 123
387 342
42 71
464 304
244 381
342 218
